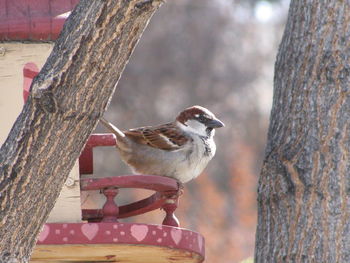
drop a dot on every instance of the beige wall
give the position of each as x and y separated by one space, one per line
12 59
13 56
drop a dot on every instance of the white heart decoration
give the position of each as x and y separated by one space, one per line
176 235
139 232
44 233
200 243
89 230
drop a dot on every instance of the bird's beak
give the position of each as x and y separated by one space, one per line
215 123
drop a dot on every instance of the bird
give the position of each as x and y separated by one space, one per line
180 149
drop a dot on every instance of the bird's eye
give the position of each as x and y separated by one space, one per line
201 118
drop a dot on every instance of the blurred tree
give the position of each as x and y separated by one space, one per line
304 184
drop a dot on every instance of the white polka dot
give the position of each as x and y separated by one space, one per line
65 225
72 232
165 234
57 231
65 239
159 240
115 239
153 232
108 232
122 233
115 226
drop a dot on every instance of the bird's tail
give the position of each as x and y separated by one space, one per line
112 128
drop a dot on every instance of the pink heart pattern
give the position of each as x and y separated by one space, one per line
89 230
200 243
112 232
139 232
44 233
176 235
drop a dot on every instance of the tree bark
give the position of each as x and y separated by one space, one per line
304 187
67 99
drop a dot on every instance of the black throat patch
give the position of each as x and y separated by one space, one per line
205 141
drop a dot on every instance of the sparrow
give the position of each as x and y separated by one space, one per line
180 149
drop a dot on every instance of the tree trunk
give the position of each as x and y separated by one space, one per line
303 194
67 99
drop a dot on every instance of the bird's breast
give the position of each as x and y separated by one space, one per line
184 164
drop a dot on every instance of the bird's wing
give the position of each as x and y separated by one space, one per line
165 137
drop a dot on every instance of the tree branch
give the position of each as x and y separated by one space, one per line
67 98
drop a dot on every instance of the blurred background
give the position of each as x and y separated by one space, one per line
218 54
215 53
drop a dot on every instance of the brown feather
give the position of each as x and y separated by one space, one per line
156 136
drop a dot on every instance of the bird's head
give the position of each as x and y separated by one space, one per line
198 120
